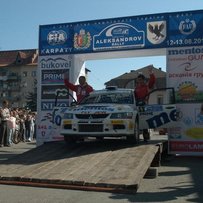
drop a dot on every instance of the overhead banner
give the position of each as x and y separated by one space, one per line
129 33
185 74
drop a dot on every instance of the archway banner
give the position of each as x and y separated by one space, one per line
162 30
62 45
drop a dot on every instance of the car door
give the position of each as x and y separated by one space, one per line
157 113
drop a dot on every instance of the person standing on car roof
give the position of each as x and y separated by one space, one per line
82 89
141 91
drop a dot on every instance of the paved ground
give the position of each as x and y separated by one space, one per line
180 179
15 149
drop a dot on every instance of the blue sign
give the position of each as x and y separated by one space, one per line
55 40
129 33
185 29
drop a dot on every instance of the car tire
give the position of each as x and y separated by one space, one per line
135 138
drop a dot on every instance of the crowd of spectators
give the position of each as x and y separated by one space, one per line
16 125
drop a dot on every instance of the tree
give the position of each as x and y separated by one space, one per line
31 98
31 102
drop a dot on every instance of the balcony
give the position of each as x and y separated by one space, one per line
13 77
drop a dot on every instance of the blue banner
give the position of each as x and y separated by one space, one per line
117 34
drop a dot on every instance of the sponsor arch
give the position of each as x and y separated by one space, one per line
65 48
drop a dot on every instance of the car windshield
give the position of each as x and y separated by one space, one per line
112 98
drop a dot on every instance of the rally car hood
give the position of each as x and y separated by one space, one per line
99 108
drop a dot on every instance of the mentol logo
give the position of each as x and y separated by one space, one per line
193 50
161 119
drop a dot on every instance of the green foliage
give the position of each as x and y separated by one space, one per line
31 102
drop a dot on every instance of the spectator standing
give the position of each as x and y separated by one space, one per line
5 115
11 127
32 127
27 127
22 126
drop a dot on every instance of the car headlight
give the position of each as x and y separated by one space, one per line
123 115
68 116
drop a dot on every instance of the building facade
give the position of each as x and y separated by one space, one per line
18 76
128 80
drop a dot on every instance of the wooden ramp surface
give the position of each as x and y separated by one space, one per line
114 166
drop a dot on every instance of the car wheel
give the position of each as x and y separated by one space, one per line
135 138
137 132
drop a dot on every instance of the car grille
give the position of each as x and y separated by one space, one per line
91 116
90 128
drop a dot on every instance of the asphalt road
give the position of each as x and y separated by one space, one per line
180 179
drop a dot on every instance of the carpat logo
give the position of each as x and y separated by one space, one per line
56 37
82 40
187 26
156 32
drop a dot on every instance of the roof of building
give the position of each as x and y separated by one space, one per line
124 79
18 57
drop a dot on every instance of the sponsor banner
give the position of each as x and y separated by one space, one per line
156 116
47 105
189 126
54 76
105 35
186 147
55 62
190 123
119 36
184 73
53 91
136 32
51 71
46 129
55 40
185 29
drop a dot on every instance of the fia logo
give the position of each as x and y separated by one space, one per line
187 26
56 37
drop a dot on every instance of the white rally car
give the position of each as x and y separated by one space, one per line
113 112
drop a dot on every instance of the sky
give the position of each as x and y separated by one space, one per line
20 21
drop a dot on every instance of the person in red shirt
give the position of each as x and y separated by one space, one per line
141 91
82 90
142 87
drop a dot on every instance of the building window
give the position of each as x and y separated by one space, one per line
25 74
160 99
34 73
